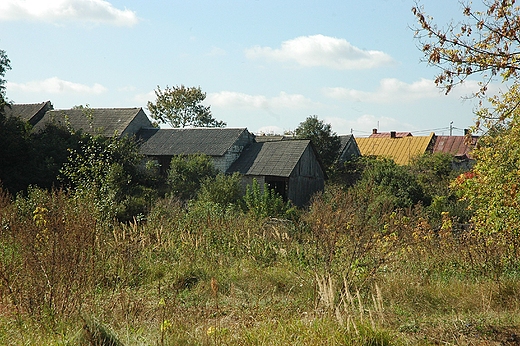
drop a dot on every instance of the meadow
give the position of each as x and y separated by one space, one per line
336 273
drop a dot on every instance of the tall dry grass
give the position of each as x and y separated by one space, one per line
207 274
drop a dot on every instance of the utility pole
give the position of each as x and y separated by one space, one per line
451 128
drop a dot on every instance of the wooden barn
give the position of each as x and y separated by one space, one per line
349 148
291 168
106 122
29 112
223 145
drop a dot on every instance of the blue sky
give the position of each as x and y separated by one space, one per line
265 65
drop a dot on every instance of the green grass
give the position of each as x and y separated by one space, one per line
279 282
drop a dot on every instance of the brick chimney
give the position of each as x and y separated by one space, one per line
393 134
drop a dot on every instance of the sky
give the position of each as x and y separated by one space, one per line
265 65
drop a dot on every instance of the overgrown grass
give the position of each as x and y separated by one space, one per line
204 274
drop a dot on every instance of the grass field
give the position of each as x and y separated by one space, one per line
208 275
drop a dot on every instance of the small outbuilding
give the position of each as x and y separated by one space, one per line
291 168
349 148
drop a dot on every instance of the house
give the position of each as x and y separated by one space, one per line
391 134
400 149
458 146
98 121
349 148
224 145
292 168
29 112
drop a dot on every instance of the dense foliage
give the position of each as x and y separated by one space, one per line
180 106
326 142
5 65
484 44
187 173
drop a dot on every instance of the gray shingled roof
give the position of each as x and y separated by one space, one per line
270 158
27 111
171 142
345 139
104 121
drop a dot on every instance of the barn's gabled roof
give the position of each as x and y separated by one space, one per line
349 147
458 146
30 112
277 158
400 149
171 142
96 121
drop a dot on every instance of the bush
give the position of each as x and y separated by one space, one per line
265 202
222 189
187 173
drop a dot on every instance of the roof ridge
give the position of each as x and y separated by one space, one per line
92 108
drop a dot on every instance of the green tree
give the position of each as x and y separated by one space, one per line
492 187
187 173
5 65
485 44
108 171
326 142
16 159
395 185
180 106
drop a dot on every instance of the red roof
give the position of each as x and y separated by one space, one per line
458 146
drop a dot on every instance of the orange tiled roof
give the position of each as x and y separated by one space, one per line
400 149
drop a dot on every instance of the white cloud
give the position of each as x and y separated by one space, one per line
229 99
97 11
320 50
270 130
55 85
391 90
144 98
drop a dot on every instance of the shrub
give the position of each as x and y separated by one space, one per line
265 202
187 173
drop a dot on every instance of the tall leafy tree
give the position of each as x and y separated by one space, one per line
5 65
108 170
180 106
486 44
326 142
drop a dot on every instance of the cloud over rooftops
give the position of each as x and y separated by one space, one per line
320 50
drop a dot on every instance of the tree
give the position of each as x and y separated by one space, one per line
108 170
395 185
326 142
181 107
5 65
485 43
